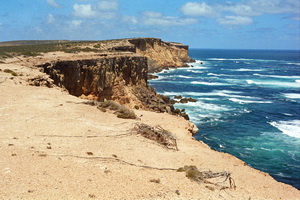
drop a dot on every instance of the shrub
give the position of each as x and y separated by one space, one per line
97 46
121 111
11 72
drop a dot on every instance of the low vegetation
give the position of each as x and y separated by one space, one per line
120 110
10 72
35 49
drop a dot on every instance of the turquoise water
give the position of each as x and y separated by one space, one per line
248 105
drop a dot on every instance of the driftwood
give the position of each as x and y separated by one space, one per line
158 134
203 176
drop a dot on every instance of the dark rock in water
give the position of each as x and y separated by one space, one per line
172 101
178 97
185 116
186 100
151 76
182 110
177 111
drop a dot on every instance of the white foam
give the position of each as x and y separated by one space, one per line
292 95
207 83
291 128
208 107
220 93
247 111
194 71
250 82
181 76
277 76
200 62
207 99
295 84
246 70
196 67
182 93
240 59
212 74
241 101
293 63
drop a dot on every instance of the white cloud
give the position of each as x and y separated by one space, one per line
130 19
75 23
260 7
275 6
50 19
235 20
84 10
198 9
156 18
150 14
108 5
53 3
239 9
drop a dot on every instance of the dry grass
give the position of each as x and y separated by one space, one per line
120 110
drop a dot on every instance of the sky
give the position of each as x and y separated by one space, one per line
233 24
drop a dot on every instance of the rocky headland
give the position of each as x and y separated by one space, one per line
58 141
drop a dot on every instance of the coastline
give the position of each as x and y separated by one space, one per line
84 153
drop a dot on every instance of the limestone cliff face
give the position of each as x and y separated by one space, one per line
102 78
162 54
120 72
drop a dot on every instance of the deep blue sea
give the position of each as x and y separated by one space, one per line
248 105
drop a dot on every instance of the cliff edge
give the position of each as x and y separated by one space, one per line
119 72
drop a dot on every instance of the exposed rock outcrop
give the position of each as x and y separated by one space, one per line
120 74
162 54
102 78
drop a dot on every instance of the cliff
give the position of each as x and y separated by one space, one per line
102 78
162 54
120 72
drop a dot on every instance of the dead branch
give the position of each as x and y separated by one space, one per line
203 176
156 133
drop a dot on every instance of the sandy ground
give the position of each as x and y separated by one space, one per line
53 146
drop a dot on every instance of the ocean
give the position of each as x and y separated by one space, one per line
248 105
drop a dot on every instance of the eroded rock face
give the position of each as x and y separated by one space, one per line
120 72
103 78
162 54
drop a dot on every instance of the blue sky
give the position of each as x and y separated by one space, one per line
235 24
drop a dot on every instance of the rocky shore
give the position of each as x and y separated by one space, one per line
55 145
